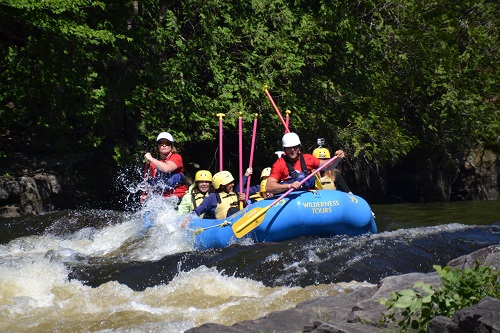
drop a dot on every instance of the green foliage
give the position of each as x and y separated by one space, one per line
459 289
378 78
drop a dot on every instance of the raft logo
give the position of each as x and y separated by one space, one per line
281 202
353 198
322 207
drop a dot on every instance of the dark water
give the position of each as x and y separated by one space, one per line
159 283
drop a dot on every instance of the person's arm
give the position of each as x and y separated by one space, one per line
247 173
273 186
340 154
340 183
167 166
254 189
207 204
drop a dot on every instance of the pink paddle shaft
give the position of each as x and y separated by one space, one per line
221 165
240 151
277 111
251 155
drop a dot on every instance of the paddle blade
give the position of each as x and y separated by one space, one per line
249 221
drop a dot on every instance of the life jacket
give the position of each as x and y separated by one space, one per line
298 176
327 183
165 182
255 197
225 201
197 198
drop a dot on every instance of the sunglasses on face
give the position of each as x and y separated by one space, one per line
164 143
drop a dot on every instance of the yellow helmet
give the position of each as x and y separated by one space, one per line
265 173
222 178
263 186
203 175
321 153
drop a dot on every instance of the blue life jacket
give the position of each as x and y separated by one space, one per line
299 176
165 181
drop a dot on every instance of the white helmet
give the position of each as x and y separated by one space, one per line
290 140
166 136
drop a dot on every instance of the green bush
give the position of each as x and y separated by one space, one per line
414 309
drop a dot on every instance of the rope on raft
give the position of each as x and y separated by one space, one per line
199 230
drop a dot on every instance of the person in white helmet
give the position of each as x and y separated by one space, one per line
293 166
165 172
197 192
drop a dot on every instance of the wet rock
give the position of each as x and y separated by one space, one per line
28 195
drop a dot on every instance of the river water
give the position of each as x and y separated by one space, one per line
94 271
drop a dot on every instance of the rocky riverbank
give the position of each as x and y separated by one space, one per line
360 312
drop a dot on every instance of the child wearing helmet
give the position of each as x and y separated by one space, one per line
166 172
262 194
330 179
198 191
224 201
293 166
254 189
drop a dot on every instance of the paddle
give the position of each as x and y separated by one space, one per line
240 152
287 118
251 155
251 220
276 109
221 165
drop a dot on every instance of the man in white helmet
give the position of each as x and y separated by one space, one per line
293 166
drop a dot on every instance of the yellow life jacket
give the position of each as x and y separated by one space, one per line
197 199
225 202
255 197
327 183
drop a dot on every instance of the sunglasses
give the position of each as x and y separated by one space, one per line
164 143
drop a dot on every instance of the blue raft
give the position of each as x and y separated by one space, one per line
322 213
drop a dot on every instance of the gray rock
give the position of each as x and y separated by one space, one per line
482 317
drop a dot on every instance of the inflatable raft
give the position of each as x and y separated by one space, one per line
322 213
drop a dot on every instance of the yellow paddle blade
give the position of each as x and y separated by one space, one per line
249 221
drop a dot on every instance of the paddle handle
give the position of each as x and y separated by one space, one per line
312 174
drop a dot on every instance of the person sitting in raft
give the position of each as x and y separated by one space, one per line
293 166
166 172
198 191
223 202
254 189
330 179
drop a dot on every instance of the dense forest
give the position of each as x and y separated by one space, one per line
395 83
